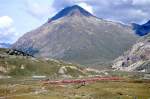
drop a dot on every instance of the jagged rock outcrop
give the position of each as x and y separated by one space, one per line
137 58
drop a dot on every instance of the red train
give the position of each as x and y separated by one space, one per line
77 81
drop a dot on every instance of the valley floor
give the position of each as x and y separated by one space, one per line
35 89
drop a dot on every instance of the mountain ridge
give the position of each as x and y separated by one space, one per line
5 45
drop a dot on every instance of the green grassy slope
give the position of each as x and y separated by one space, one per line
17 65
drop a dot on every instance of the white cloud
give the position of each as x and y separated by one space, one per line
7 30
86 6
141 2
5 22
38 9
126 11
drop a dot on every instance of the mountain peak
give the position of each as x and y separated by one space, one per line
70 11
147 23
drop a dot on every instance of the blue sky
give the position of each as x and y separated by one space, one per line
20 16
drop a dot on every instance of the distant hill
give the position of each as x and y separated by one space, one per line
5 45
77 36
143 29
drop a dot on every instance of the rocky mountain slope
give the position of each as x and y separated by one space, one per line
77 36
137 58
143 29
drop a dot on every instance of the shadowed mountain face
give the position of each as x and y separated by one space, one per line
75 35
143 29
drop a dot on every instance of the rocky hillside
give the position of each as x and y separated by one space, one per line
77 36
137 58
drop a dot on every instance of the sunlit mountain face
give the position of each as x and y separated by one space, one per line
77 36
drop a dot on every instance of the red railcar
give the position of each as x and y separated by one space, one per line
87 80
